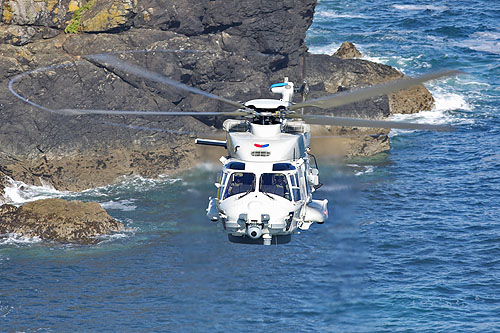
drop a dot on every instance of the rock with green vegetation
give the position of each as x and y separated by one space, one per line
109 15
58 220
75 25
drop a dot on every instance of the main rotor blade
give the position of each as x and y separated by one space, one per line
349 97
75 112
147 74
353 122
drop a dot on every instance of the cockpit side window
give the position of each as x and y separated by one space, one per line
275 183
222 185
240 182
294 181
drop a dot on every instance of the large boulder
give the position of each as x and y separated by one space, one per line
335 74
58 220
348 51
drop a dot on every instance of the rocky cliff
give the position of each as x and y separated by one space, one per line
243 47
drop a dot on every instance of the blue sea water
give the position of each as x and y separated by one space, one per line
412 242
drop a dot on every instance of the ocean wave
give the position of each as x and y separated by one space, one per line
420 7
367 169
325 49
400 62
113 237
434 117
17 239
125 205
361 169
448 101
485 41
18 192
333 14
131 183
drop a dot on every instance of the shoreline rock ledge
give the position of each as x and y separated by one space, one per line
58 220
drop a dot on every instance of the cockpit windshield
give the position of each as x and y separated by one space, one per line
240 182
275 183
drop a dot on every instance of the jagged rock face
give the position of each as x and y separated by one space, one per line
3 183
58 220
267 27
348 51
270 27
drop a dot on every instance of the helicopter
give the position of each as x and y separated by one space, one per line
265 190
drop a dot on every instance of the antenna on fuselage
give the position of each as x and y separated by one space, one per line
304 86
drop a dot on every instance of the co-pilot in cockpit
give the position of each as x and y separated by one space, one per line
240 182
269 183
275 183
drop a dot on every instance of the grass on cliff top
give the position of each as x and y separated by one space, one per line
74 25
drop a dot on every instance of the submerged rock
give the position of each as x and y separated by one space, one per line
58 220
348 51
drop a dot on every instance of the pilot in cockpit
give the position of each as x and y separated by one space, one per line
279 186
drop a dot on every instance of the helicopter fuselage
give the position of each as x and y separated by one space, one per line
265 188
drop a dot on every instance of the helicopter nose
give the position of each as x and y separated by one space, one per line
254 206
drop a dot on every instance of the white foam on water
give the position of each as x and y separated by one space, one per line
325 49
486 41
329 14
361 169
420 7
125 205
399 62
446 103
131 183
18 193
113 237
18 239
367 169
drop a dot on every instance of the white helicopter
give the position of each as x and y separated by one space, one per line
265 191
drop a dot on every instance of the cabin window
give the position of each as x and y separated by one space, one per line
296 194
283 167
222 185
236 166
275 183
240 182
